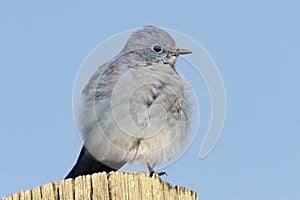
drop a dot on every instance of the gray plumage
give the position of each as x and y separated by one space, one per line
134 109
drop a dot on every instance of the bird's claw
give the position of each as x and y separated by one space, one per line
158 173
152 172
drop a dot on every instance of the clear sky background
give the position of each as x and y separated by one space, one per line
255 44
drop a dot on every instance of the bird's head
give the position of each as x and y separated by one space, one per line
154 45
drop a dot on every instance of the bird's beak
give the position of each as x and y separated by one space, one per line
183 51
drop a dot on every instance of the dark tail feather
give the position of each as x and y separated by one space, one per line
87 164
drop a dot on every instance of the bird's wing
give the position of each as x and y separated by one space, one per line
94 80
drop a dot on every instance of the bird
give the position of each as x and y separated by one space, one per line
134 109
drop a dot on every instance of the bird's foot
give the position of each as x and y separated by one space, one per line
152 172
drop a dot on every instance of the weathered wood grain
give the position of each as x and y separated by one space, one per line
114 186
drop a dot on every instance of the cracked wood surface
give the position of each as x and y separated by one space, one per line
102 186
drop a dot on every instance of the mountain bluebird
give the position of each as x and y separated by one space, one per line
134 109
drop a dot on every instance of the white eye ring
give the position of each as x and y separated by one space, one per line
157 48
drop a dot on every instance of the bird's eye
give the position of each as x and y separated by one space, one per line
157 49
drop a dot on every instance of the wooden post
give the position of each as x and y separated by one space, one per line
114 186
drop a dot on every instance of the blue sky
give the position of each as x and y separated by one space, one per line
255 45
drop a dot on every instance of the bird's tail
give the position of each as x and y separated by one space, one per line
87 164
